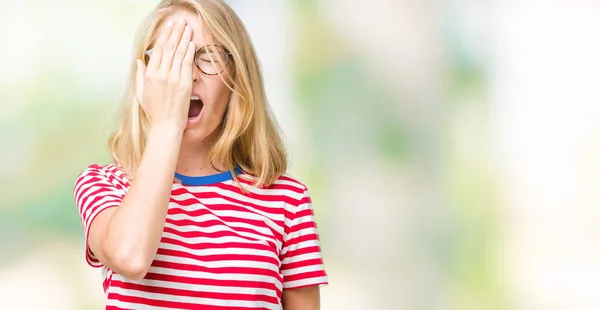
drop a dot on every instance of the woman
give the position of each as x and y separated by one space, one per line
196 211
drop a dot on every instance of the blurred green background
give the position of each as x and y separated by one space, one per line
451 147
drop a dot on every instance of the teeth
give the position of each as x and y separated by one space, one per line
195 98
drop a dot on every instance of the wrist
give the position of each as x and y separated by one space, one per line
165 131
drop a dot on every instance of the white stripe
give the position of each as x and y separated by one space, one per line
274 192
301 245
304 219
218 264
302 232
209 288
216 251
228 224
117 172
194 300
84 189
217 240
305 282
190 242
222 201
128 305
303 269
91 213
213 276
208 202
241 215
251 189
85 208
239 197
221 240
83 182
214 229
303 257
293 182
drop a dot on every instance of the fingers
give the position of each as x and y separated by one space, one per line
180 53
139 80
157 51
186 65
171 46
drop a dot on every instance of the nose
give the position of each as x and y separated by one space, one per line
195 74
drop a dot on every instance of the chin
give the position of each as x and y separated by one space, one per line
195 135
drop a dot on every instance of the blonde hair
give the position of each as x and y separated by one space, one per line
249 135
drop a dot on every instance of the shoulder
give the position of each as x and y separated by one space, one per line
286 187
110 173
295 188
291 182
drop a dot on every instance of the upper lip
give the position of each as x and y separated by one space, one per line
196 95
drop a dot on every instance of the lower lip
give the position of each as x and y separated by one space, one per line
195 119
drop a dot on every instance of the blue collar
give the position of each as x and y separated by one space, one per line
207 179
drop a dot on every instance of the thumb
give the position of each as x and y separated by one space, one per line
139 80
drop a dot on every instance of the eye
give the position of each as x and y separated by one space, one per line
206 57
212 59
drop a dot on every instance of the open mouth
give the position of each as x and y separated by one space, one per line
196 106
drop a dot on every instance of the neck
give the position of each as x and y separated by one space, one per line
194 160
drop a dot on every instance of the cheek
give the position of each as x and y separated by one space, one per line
221 95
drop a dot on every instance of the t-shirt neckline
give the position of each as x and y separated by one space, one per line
207 179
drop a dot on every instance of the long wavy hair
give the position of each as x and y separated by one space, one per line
249 136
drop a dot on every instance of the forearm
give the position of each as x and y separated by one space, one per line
134 230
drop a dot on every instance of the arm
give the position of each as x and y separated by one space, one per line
126 238
123 240
302 264
307 298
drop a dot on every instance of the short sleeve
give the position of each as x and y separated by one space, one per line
94 192
302 261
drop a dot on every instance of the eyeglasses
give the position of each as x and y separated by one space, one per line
210 59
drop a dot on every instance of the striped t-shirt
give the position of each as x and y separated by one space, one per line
221 247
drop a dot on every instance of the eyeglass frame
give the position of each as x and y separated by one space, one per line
229 58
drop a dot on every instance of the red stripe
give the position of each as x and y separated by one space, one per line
214 208
207 195
230 221
290 179
304 276
213 282
97 208
94 203
83 195
219 234
119 180
300 264
271 212
298 188
301 251
301 226
217 223
216 270
303 238
168 304
219 257
263 197
195 294
106 282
